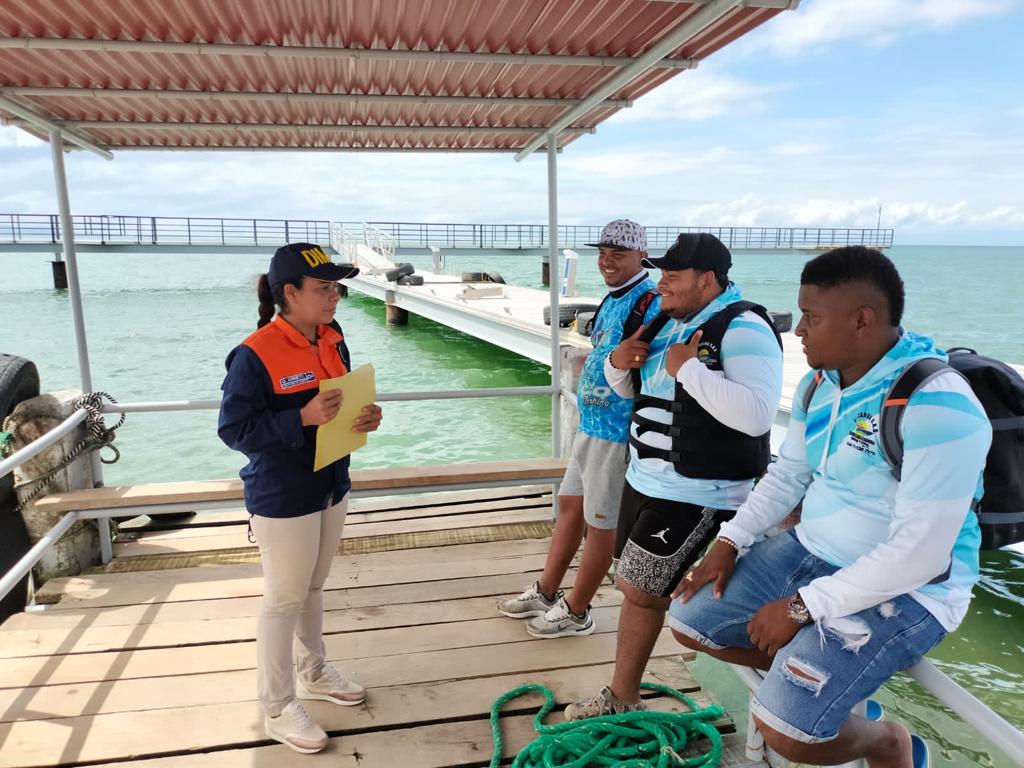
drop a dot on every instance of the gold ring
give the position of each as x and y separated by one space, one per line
636 358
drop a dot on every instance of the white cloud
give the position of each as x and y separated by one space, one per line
15 137
798 148
698 94
754 211
640 164
875 22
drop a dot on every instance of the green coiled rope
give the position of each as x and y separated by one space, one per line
629 740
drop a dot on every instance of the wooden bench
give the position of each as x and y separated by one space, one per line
365 482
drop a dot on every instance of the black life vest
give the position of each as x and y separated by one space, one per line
703 447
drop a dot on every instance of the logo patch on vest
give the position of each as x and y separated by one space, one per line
297 379
862 436
707 353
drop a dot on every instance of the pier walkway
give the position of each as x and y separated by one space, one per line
149 661
21 232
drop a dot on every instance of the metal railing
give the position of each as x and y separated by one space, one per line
531 236
28 561
379 241
346 243
31 228
24 228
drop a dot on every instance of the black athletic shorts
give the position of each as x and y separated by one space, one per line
657 540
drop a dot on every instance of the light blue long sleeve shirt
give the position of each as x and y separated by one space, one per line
888 537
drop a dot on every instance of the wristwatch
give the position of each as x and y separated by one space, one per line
797 611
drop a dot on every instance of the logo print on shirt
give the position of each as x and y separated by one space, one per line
862 436
661 535
297 379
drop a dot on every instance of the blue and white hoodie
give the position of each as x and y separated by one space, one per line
888 537
744 395
605 414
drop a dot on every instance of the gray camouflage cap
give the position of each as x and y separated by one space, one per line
622 235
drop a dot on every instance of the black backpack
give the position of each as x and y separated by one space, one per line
1001 392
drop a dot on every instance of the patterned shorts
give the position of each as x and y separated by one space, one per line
659 540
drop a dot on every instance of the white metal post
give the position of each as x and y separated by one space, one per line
77 317
556 398
68 240
556 372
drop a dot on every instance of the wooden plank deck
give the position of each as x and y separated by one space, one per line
140 665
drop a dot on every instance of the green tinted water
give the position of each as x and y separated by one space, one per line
160 327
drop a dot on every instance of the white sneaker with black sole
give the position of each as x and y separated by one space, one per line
294 728
559 621
527 605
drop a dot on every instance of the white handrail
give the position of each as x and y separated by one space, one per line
987 722
972 711
346 243
40 444
379 241
382 397
34 555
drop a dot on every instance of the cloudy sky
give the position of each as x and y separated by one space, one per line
817 118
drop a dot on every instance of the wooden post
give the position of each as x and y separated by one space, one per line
60 273
545 269
395 315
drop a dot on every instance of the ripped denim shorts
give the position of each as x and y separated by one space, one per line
824 672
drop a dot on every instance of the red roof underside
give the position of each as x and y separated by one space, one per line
568 27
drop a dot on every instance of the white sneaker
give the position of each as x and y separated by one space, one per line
560 622
527 605
331 686
294 728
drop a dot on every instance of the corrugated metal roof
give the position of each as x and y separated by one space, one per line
338 74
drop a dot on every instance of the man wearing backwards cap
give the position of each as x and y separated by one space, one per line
590 492
710 375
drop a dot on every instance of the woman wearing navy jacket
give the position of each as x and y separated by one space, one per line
270 411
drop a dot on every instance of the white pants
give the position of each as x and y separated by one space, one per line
296 553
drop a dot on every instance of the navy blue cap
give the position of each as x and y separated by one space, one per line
694 250
306 260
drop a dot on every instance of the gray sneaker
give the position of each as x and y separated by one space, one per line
527 605
605 703
559 621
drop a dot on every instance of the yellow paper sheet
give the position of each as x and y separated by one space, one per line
335 439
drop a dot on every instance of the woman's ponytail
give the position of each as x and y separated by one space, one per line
266 297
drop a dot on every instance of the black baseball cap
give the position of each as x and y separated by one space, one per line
306 260
694 250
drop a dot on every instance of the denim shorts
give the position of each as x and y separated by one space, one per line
828 667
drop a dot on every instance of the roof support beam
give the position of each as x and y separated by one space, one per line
324 52
29 120
483 130
782 5
290 98
709 14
